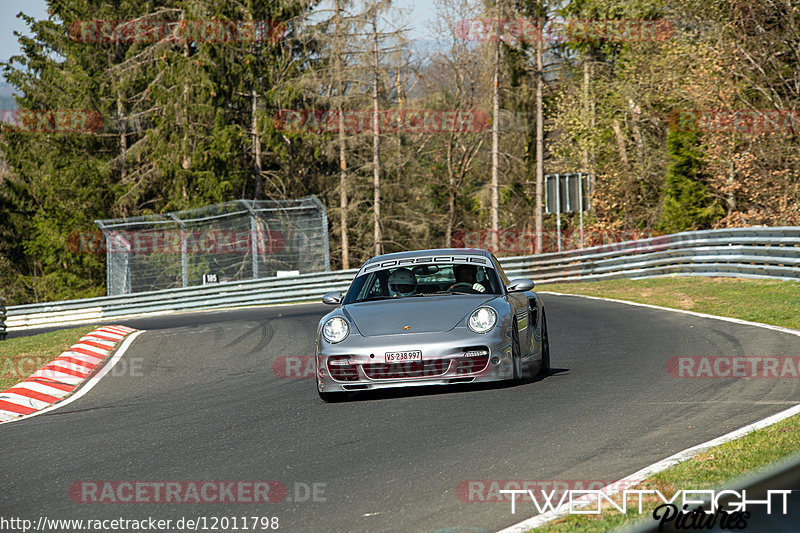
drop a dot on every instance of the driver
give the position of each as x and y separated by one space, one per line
468 274
402 282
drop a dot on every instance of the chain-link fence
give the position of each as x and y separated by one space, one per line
238 240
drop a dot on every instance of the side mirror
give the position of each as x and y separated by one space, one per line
333 298
520 285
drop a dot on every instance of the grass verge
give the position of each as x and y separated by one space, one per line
767 301
22 356
770 302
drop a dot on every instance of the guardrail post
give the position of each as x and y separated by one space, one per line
580 202
254 238
558 210
184 265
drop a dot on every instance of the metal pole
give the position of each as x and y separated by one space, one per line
254 237
109 291
569 199
569 196
580 202
254 241
558 209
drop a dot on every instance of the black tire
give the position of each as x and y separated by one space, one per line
544 369
516 358
332 397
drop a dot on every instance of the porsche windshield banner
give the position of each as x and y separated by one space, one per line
428 259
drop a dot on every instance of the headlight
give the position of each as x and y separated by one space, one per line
482 319
335 330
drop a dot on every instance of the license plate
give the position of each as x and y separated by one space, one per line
404 357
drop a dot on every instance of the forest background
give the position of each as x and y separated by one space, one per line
686 113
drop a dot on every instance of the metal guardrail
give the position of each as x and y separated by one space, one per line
739 252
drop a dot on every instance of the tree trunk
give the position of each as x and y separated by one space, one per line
342 146
637 132
623 153
586 108
376 143
539 141
451 196
343 192
257 171
589 110
186 161
730 197
123 146
495 148
123 138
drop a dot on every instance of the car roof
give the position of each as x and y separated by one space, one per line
435 251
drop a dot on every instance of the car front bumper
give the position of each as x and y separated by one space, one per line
456 356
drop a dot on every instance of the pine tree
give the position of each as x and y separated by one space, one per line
185 122
687 203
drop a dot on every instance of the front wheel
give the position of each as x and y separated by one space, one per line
332 397
544 369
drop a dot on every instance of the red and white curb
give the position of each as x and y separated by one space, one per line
60 377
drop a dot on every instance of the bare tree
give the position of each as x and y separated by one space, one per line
376 134
452 79
539 140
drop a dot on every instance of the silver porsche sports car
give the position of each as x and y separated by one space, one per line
430 317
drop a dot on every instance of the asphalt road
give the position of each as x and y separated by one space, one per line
196 398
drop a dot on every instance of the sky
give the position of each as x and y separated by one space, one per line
419 14
9 22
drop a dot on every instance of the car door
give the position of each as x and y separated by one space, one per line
522 314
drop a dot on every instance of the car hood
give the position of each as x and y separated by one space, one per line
422 314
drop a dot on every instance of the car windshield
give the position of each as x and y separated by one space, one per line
423 280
